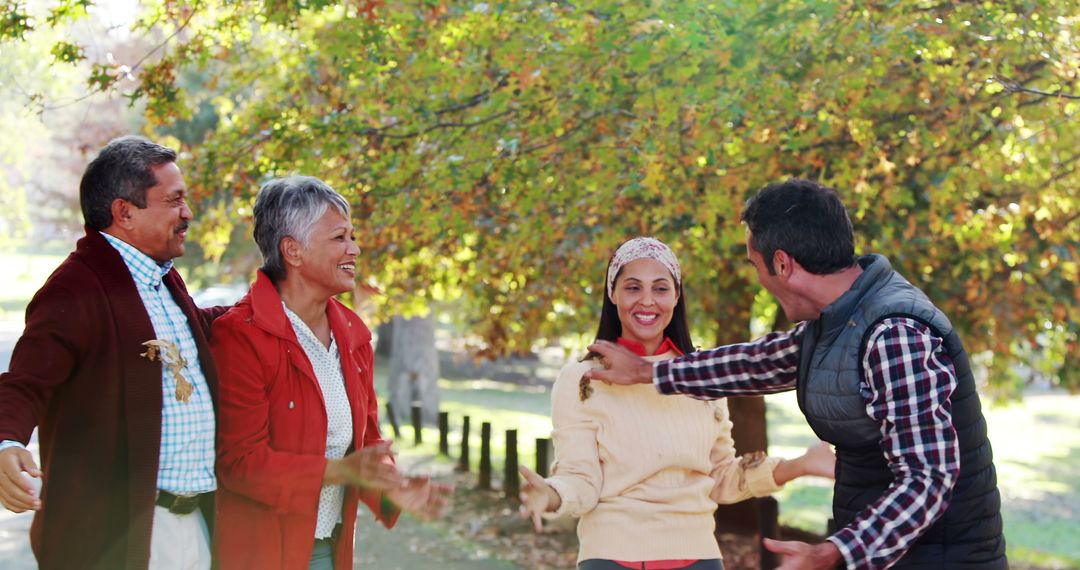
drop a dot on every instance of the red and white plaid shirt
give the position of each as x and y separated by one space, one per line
907 385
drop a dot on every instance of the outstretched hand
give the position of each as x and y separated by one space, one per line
803 556
620 365
419 496
819 460
370 467
537 498
18 492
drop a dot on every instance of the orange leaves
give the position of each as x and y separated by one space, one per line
545 134
912 228
722 58
368 8
158 85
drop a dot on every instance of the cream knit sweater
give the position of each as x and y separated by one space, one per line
645 471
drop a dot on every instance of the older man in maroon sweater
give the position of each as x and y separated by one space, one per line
126 433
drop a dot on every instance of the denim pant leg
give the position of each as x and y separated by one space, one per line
322 556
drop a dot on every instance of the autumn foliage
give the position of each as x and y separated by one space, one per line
497 152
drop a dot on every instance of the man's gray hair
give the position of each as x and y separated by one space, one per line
123 169
290 207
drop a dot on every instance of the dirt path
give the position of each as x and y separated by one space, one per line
411 545
415 545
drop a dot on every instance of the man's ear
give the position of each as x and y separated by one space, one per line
783 264
290 251
121 213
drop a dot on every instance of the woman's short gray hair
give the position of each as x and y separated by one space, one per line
289 207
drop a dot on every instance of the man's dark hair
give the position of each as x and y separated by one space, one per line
806 220
123 169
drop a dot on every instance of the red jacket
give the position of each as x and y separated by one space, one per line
272 433
76 373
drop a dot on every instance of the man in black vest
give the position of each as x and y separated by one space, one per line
880 373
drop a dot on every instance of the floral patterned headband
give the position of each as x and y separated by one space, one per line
639 248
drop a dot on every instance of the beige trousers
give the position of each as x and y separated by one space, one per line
179 542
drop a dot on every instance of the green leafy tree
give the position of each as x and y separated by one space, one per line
497 152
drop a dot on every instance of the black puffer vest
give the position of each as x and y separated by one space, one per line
968 535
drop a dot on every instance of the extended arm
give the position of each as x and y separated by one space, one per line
53 340
764 366
575 475
574 486
756 475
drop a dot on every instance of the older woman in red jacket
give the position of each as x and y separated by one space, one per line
299 443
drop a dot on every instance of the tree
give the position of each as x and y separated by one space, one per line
53 121
497 152
500 151
414 368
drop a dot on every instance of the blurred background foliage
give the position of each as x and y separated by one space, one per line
496 153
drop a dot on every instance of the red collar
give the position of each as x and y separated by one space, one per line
639 349
269 314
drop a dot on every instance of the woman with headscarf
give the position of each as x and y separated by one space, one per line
298 434
644 471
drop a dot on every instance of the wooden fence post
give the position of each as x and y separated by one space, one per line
417 424
393 421
485 455
444 433
543 456
510 477
463 461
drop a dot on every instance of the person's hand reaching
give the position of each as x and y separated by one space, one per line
20 480
819 460
618 365
537 498
420 497
371 467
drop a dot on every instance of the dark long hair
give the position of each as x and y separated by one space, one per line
610 329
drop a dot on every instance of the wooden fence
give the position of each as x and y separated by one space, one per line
765 509
511 478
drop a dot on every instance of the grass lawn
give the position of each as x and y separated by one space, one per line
483 401
1036 446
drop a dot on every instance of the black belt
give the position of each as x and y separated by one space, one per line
177 504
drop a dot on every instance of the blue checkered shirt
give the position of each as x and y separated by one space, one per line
186 463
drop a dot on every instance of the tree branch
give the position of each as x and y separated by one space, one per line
135 66
1011 86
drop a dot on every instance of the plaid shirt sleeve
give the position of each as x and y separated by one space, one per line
764 366
908 379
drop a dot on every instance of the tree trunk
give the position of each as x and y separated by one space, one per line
385 340
414 368
750 434
748 420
